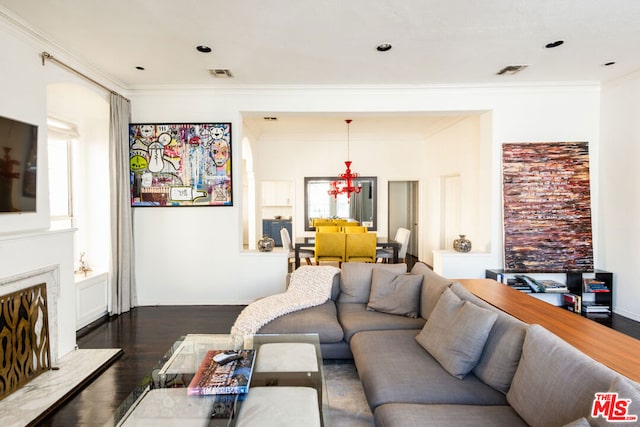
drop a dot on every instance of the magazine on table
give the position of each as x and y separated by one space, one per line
232 377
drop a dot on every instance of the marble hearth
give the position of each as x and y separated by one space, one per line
69 372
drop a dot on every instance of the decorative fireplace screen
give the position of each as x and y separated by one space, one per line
24 337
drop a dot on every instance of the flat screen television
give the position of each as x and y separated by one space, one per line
18 165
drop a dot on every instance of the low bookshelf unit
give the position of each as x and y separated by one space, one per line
591 293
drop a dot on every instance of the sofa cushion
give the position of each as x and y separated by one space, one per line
393 293
502 351
626 389
456 332
355 318
394 368
432 287
321 319
355 279
555 383
413 415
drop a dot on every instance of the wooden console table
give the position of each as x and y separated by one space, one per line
614 349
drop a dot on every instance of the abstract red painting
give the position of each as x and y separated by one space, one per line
547 207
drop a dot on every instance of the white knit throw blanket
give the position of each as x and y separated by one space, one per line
309 286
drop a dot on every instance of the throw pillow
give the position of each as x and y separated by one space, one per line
432 287
550 386
626 390
393 293
456 332
355 279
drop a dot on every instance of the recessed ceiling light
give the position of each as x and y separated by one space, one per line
554 44
140 68
607 64
383 47
203 49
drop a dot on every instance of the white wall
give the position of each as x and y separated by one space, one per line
206 242
23 99
26 243
458 150
619 202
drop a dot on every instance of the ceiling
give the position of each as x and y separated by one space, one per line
388 127
333 42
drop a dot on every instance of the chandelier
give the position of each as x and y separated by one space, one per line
346 184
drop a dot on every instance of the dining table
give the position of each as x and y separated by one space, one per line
310 242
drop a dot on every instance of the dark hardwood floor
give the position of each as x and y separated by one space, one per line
145 334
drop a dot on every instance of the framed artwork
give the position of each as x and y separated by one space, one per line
547 207
180 164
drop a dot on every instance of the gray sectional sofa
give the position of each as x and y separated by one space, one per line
430 353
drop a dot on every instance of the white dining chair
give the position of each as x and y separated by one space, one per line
402 236
286 243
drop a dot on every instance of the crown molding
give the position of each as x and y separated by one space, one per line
42 42
363 89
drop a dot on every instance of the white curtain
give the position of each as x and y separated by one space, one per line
123 295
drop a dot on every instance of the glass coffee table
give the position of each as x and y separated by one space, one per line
161 398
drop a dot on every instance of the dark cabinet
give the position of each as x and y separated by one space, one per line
271 228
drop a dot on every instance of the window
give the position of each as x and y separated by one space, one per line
60 144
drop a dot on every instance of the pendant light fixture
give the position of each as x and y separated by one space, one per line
346 185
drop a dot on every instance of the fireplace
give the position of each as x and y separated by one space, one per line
27 309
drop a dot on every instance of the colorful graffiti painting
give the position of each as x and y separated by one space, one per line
180 164
547 207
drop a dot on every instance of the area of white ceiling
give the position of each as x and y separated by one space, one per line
333 42
311 126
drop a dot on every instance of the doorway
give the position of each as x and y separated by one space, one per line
404 212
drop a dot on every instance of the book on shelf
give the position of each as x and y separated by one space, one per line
572 302
592 307
518 285
528 284
593 285
552 286
231 378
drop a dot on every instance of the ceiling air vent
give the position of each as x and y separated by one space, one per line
223 73
511 69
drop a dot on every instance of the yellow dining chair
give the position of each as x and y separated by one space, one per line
321 221
360 247
327 229
330 247
355 229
